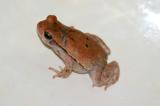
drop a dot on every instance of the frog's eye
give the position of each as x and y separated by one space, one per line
47 35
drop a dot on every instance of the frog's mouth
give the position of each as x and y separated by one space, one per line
45 42
52 43
48 43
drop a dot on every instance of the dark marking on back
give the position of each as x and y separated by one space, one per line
63 36
86 45
87 38
71 38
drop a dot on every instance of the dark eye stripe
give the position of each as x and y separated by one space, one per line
47 35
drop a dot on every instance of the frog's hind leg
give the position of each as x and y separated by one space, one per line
106 76
64 73
110 74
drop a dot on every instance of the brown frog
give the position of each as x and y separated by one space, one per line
82 53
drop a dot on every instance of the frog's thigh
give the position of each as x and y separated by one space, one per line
95 75
105 76
110 74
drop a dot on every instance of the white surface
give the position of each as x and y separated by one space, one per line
131 29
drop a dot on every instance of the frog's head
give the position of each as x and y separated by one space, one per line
49 30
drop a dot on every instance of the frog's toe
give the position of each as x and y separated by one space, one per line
53 69
64 73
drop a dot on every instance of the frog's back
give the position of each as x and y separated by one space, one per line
86 50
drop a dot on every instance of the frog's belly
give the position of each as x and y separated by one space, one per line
77 68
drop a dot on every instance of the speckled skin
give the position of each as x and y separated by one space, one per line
82 53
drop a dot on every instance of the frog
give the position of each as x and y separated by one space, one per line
81 53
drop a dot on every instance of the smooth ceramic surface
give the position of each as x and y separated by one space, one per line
131 28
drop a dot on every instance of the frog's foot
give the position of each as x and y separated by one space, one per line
110 74
64 73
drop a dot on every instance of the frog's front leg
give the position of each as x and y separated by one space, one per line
64 73
68 61
70 66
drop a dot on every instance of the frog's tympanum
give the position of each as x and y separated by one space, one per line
82 53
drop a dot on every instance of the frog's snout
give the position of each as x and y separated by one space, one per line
41 27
